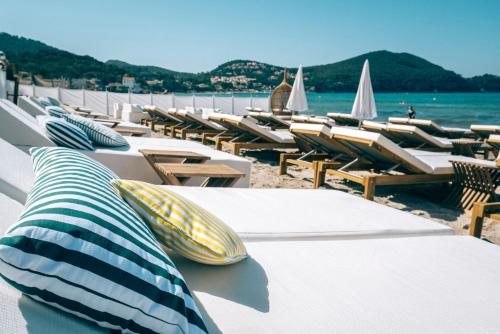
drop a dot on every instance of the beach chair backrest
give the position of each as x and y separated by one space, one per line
379 150
267 118
242 125
343 119
199 120
494 141
484 131
424 124
415 137
20 128
318 136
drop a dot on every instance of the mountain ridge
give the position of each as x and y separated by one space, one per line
390 72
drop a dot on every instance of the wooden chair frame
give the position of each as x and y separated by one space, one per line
481 211
314 154
246 138
376 177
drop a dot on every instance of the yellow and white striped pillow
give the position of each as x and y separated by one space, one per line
182 225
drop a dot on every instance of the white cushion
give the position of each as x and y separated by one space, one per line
440 163
437 284
257 214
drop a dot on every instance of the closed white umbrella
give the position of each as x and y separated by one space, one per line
297 102
364 105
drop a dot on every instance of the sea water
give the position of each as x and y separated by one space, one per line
446 109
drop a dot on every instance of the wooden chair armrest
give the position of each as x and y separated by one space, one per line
481 210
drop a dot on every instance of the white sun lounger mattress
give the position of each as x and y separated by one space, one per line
439 284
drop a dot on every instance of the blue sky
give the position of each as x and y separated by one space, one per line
190 35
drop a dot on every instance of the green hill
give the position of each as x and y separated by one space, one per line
390 72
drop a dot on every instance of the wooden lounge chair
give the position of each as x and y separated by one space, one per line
432 128
481 210
484 131
193 123
313 120
322 148
160 117
380 161
249 135
343 119
410 136
474 182
269 120
494 142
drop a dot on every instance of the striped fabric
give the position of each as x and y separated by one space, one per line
80 248
98 133
65 134
55 111
182 225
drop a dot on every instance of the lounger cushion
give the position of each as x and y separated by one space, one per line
305 214
182 225
66 134
445 284
101 135
55 111
80 248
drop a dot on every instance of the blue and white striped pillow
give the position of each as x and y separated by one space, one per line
79 247
65 134
100 134
55 111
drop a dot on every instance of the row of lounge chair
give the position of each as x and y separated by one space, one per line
377 154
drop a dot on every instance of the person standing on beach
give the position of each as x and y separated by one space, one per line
411 113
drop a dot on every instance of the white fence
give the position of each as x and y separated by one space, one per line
103 101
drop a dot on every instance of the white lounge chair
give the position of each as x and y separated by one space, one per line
343 119
249 135
483 131
322 148
432 128
312 120
21 129
392 164
269 119
494 141
194 123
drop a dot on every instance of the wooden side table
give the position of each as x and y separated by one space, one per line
217 175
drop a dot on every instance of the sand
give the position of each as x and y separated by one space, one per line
425 201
